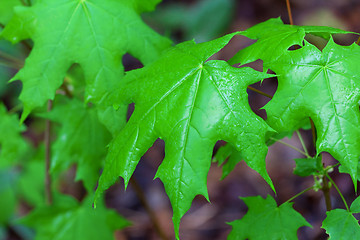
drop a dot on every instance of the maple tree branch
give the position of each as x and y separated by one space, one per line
139 192
289 12
260 92
326 190
9 58
47 140
338 190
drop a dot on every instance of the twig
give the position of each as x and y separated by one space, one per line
326 190
48 193
260 92
289 12
338 190
139 192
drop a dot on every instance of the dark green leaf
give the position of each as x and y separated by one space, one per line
308 166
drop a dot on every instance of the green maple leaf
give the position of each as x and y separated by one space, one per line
275 35
8 200
326 87
12 144
82 139
94 34
190 104
341 224
265 220
67 219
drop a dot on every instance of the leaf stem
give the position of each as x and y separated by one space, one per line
260 92
9 65
291 146
47 140
302 142
300 193
16 108
326 191
139 192
289 12
338 190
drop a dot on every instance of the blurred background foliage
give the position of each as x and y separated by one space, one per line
22 175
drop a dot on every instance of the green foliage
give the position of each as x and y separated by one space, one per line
197 104
323 85
308 166
58 29
278 37
265 220
341 224
182 96
13 146
68 219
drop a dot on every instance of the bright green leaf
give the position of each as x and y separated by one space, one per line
277 36
67 219
308 166
326 87
265 220
228 157
190 104
94 34
341 225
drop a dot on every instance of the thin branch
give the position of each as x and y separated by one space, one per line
10 58
48 193
291 146
300 193
16 108
10 65
338 190
289 12
260 92
139 192
302 142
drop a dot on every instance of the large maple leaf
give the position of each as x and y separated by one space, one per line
326 87
190 104
94 34
277 36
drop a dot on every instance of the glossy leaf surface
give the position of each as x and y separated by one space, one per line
265 220
275 35
94 34
190 104
324 86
